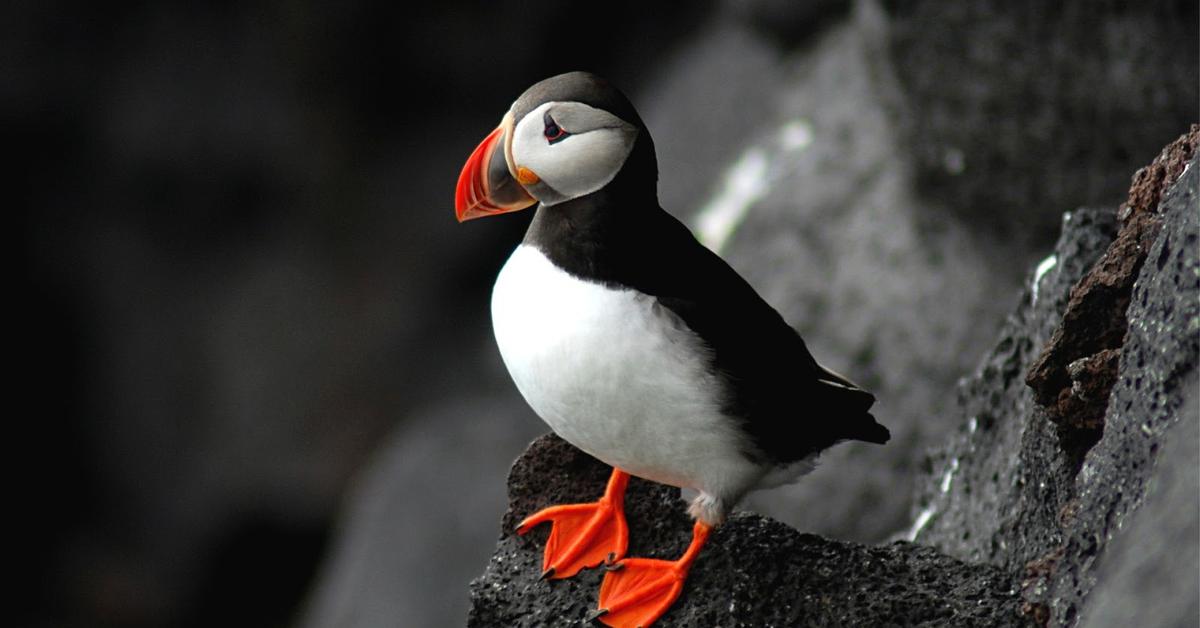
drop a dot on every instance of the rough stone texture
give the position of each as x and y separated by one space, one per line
754 571
1158 363
1148 562
1005 491
979 462
1151 183
1074 374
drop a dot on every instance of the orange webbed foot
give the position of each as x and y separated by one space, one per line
637 591
584 535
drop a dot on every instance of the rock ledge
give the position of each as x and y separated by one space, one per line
754 572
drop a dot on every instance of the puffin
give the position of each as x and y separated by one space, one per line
636 343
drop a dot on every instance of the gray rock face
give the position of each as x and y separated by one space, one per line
753 572
1006 492
1148 562
1158 363
980 496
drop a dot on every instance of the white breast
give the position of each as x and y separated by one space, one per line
616 375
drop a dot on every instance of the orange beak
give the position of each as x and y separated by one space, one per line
486 185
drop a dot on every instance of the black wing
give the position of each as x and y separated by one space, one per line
790 405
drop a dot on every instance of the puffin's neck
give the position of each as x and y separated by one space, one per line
601 236
595 236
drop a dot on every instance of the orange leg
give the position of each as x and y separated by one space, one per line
584 535
639 590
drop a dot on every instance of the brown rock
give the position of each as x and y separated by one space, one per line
1074 374
1151 182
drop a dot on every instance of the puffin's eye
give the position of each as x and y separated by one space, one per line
553 132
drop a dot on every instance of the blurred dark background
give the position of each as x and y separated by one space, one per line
245 306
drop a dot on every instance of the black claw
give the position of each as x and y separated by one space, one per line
546 575
613 566
596 614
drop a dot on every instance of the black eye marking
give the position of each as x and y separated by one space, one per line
554 133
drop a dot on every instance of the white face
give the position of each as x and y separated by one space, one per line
572 148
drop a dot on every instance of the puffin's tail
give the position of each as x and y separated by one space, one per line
854 404
867 429
858 423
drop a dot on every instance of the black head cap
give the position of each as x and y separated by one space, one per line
592 90
583 87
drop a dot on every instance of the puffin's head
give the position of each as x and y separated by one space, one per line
566 137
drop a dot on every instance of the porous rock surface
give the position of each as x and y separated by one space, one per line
1148 563
1075 373
754 571
1012 491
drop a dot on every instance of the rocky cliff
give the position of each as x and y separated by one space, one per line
1041 488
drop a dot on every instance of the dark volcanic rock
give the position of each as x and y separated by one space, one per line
1158 363
984 500
1006 492
754 571
1074 375
1148 563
